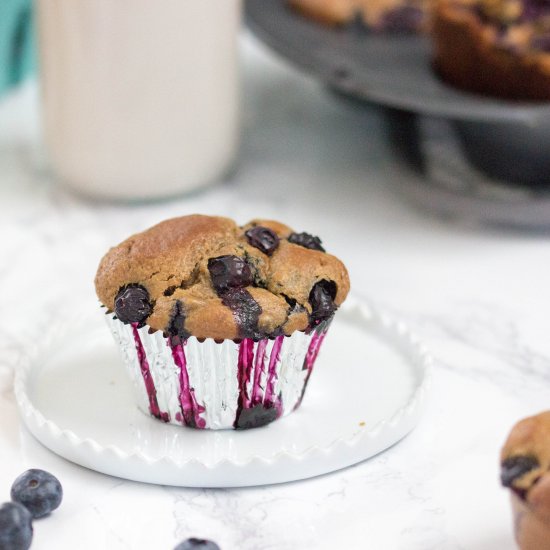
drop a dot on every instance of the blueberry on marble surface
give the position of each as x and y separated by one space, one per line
263 239
255 417
15 527
514 467
39 491
197 544
132 304
229 272
306 240
321 299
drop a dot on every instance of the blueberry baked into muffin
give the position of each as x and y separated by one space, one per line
220 325
525 469
499 48
378 15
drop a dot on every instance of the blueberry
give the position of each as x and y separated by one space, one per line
246 311
306 240
132 304
404 18
263 239
541 42
514 467
176 325
256 417
15 527
229 272
321 299
197 544
533 9
39 491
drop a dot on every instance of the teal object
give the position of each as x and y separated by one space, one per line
17 42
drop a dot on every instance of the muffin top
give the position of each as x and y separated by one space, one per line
525 463
207 277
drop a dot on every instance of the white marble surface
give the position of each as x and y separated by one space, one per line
478 298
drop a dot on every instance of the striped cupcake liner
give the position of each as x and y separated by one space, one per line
209 385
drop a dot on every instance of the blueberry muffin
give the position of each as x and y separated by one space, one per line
220 325
499 48
525 469
377 15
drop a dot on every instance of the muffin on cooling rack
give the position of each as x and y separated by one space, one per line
525 469
499 48
220 325
377 15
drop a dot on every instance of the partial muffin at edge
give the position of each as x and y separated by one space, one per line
525 470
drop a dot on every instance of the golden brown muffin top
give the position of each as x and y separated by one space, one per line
206 277
525 463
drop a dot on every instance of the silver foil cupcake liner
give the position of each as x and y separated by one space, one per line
209 385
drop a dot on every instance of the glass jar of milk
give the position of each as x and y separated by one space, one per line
140 97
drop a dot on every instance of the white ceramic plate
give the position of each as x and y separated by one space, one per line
366 394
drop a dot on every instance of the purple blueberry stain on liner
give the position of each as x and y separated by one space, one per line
311 356
190 409
307 241
244 370
259 367
262 238
251 411
270 399
147 377
257 406
132 304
